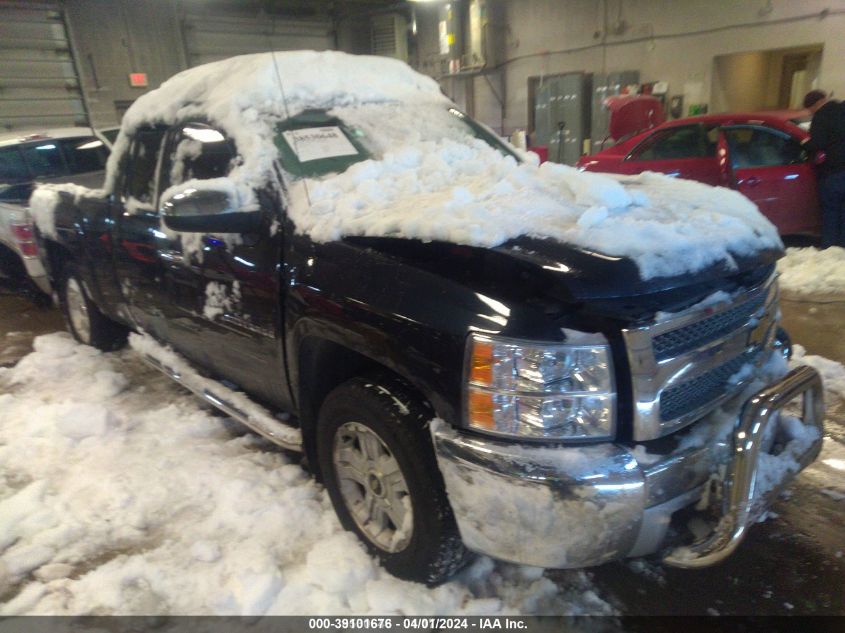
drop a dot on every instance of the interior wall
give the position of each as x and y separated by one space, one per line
669 40
112 38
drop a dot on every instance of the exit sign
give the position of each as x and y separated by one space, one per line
138 80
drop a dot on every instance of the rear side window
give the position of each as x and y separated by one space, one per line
84 155
139 186
761 147
688 141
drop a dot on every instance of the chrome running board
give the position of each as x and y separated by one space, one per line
260 420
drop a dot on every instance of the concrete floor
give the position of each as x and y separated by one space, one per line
792 564
21 320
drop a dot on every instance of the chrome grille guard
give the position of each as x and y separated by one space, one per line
741 505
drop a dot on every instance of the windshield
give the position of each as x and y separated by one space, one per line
317 143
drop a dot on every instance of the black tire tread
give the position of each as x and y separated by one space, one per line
436 551
106 335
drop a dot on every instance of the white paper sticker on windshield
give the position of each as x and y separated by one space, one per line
319 142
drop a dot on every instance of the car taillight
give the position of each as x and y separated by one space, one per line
25 237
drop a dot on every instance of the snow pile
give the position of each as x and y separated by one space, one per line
832 372
120 495
813 271
45 199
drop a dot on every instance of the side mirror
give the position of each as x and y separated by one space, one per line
208 211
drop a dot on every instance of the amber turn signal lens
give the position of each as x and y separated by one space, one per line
481 369
481 410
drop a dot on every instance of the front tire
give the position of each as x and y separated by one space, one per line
381 474
83 319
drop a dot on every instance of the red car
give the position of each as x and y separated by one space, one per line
757 153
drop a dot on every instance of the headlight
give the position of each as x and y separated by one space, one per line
544 391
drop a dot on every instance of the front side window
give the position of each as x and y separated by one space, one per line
752 146
688 141
195 151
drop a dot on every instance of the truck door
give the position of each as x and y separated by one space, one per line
774 171
136 228
225 288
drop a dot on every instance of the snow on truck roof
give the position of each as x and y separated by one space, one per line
308 79
431 180
245 95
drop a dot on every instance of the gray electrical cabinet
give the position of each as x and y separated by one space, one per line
562 116
606 85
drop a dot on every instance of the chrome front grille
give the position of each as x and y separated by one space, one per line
693 394
709 329
681 366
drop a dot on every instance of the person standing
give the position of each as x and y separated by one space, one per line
827 134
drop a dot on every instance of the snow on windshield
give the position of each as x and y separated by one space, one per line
432 178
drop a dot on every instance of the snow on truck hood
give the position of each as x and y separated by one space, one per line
426 181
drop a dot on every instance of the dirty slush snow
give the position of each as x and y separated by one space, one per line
119 494
427 177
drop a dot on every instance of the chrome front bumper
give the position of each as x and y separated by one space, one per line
578 506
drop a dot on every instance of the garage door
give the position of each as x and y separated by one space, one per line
39 87
209 38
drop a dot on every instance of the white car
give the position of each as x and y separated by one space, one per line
30 158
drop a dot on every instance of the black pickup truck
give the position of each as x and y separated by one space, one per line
537 401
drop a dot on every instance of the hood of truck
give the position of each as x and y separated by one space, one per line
590 274
564 272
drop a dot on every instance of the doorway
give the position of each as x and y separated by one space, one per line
774 79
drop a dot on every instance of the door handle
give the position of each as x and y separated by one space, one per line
752 181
